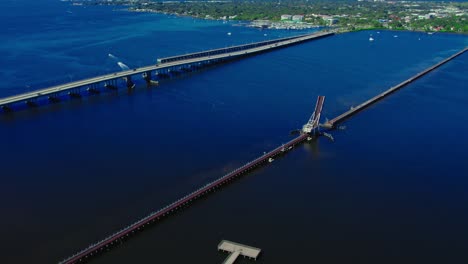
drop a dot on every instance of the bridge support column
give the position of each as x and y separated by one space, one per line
163 74
129 82
149 81
111 84
175 71
54 98
187 68
93 89
6 108
75 93
31 102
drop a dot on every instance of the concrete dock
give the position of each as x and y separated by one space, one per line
237 250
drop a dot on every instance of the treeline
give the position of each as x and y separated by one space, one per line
349 14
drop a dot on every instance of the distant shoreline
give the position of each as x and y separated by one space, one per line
130 9
406 30
248 23
269 19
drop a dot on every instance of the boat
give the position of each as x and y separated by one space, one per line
371 39
229 33
395 36
270 160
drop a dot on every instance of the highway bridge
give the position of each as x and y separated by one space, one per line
164 67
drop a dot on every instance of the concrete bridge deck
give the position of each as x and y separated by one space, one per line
207 57
225 50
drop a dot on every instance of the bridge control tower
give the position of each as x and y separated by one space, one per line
313 124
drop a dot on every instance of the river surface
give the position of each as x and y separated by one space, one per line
392 188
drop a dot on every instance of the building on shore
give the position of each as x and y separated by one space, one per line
332 21
297 18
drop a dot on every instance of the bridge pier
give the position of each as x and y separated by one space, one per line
54 98
129 82
187 68
7 108
111 84
163 73
31 102
173 71
147 76
149 81
93 89
75 93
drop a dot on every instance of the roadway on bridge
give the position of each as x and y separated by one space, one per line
117 75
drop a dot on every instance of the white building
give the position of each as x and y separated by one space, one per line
297 17
286 17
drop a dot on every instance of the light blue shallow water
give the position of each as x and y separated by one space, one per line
391 189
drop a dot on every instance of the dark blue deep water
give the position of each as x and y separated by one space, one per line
392 188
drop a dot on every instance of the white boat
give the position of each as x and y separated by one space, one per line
371 39
395 36
229 33
270 160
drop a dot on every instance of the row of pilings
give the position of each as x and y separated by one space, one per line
122 235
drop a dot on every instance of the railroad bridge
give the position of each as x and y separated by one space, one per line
310 130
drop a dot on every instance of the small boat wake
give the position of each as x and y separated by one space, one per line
123 66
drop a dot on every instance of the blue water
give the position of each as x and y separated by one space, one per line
391 189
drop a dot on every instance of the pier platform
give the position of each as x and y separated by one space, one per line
237 250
